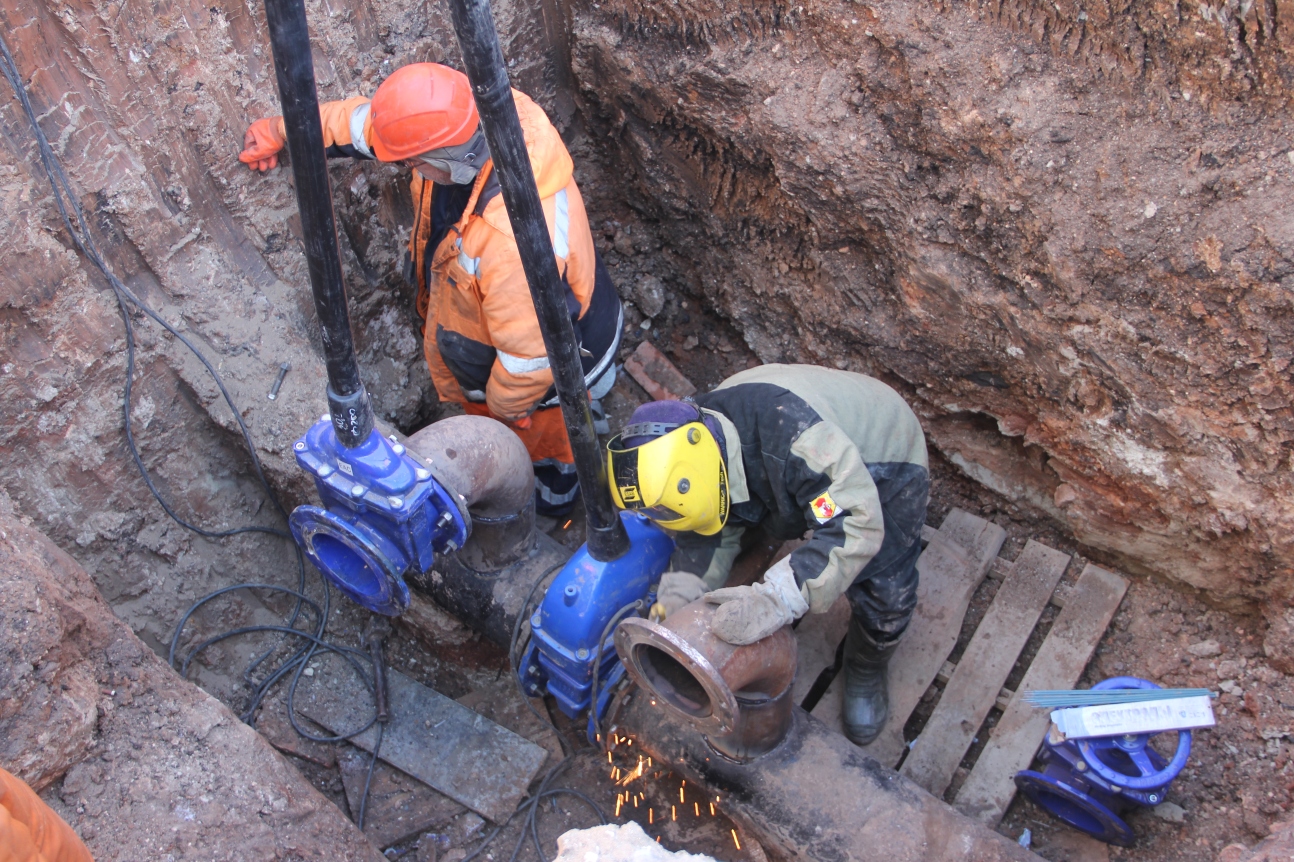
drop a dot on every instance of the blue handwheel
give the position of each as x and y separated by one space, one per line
1133 750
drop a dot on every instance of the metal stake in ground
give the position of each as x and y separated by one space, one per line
483 59
348 402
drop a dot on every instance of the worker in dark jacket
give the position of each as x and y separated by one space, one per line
789 448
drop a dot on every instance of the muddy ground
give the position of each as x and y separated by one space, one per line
991 246
1236 786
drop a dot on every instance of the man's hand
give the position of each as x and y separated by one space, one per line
749 614
262 144
677 589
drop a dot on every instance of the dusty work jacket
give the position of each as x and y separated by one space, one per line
482 339
820 449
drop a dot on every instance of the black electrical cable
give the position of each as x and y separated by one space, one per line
65 199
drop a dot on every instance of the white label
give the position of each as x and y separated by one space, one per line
1151 716
345 468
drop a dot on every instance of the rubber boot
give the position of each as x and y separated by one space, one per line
867 701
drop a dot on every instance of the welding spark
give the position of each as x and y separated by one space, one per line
609 760
635 802
673 812
734 839
636 773
567 524
618 803
651 816
697 807
711 809
680 795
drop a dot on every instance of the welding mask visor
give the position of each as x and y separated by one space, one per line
677 479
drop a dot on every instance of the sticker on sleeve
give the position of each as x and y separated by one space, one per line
824 508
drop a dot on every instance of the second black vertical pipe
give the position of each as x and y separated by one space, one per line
483 61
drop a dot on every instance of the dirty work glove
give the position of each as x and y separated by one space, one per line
262 144
676 590
749 614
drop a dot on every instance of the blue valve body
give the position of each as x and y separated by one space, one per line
1091 783
575 611
383 514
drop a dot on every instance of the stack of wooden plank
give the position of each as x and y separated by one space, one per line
958 556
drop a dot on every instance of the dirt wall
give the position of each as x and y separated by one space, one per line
1063 231
145 105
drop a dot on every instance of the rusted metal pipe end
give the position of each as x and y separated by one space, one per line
677 675
737 696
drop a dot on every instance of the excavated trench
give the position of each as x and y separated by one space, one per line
1063 231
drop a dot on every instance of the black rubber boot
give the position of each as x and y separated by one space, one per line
867 701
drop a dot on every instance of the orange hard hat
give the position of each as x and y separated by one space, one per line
421 107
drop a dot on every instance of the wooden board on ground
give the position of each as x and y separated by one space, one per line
399 806
442 743
950 568
984 666
817 637
1088 609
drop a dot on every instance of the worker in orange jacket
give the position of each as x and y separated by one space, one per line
30 831
481 339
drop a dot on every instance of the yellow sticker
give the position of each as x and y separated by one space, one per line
824 508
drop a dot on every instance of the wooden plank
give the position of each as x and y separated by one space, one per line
816 638
1088 609
444 744
950 569
399 806
984 667
946 672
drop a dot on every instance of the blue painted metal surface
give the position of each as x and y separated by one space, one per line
383 514
1089 783
576 610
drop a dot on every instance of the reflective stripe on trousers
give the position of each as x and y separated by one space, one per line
556 487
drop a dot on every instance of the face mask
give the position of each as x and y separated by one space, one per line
461 163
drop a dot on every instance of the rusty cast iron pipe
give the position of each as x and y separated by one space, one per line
816 795
739 697
484 462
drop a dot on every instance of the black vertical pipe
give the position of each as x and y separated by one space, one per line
483 59
348 402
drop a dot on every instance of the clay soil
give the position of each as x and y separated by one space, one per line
1237 783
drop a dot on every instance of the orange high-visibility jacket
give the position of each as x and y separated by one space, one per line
482 340
30 831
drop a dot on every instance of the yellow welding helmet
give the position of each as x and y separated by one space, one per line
671 472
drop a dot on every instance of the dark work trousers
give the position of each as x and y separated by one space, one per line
884 594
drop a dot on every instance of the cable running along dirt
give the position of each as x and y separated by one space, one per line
66 200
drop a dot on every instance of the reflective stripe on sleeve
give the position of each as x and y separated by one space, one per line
561 241
521 365
470 265
357 120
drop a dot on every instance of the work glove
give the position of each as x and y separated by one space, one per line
676 590
262 144
749 614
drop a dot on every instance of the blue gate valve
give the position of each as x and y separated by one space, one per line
1089 783
383 515
571 630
